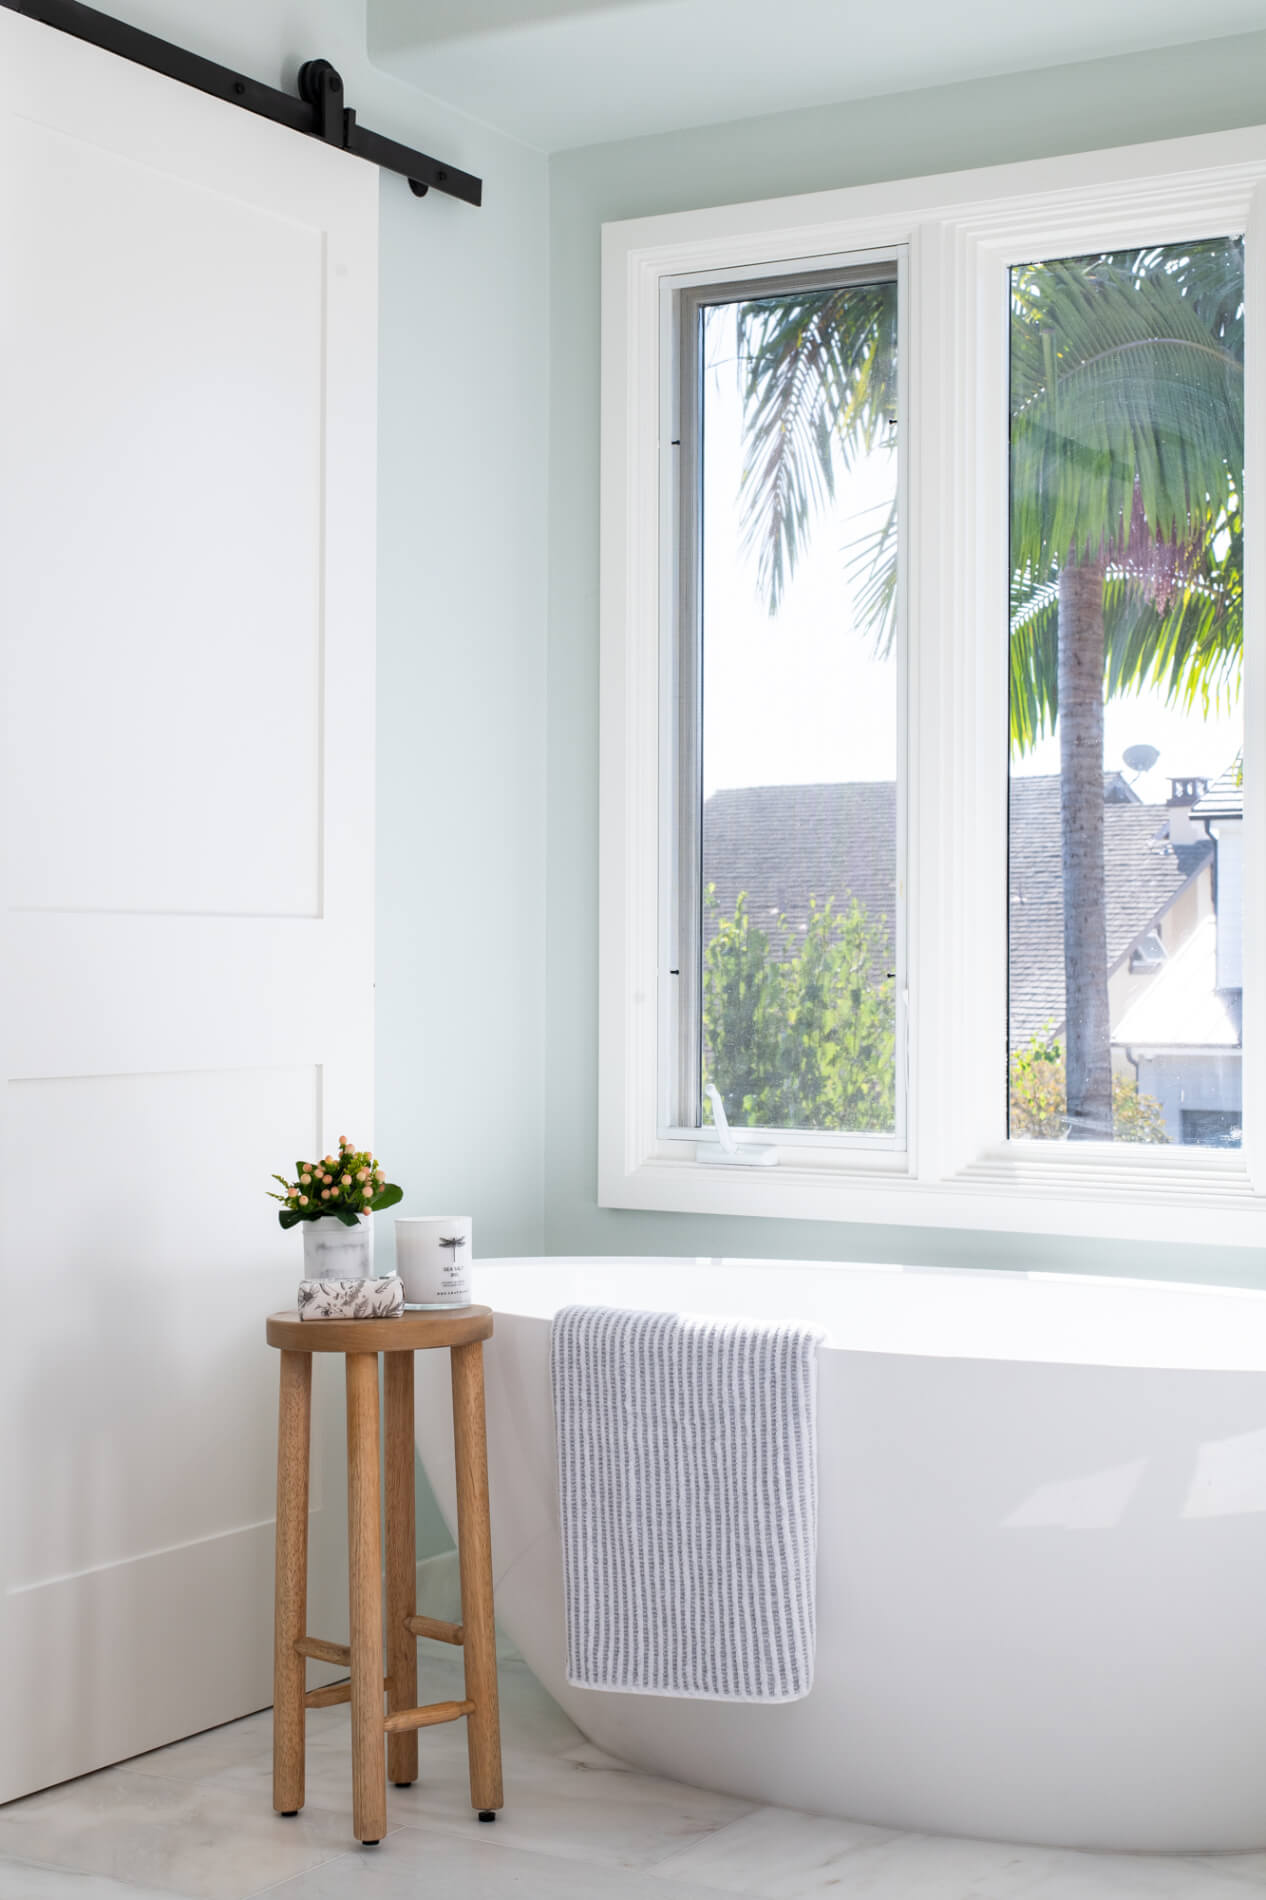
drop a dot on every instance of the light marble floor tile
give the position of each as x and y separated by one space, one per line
237 1760
778 1854
183 1838
560 1806
327 1775
1249 1869
773 1851
416 1864
563 1796
194 1822
1136 1877
22 1880
589 1755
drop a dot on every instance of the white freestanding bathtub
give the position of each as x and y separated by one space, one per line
1042 1548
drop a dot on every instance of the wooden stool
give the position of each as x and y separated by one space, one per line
361 1340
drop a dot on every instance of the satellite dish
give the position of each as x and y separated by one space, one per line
1140 758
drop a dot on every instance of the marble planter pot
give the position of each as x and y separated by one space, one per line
332 1251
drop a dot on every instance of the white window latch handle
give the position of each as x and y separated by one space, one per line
728 1152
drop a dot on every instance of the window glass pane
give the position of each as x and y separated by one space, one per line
796 618
1126 738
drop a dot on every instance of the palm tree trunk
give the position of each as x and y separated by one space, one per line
1087 1035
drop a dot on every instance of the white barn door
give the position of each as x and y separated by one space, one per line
187 358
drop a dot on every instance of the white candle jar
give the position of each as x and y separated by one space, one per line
433 1259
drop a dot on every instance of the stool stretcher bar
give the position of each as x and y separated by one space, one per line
432 1627
427 1717
321 1651
333 1694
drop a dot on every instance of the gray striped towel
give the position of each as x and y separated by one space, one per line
687 1465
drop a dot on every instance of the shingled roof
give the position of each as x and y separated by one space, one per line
1225 795
1143 874
783 844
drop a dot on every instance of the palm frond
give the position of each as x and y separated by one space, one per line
870 561
819 389
1187 647
1127 401
1127 422
1127 433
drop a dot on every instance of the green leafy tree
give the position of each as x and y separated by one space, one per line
1126 534
1136 1116
805 1039
1039 1102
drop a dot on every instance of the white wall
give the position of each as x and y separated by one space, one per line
461 633
1192 1079
1229 834
461 615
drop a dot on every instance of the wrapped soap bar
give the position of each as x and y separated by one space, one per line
352 1299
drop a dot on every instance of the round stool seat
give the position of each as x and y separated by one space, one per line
411 1332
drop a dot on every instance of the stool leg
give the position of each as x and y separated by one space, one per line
290 1602
364 1558
474 1549
402 1558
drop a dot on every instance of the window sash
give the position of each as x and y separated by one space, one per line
682 662
963 233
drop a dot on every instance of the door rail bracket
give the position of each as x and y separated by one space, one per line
319 111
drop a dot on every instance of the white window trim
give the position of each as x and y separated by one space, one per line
962 232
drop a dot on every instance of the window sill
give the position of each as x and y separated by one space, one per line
1186 1197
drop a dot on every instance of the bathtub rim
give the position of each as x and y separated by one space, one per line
1242 1349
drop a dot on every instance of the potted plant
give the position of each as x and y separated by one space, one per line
334 1198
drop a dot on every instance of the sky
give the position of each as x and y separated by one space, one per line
794 698
798 698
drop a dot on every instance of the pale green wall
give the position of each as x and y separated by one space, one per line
1205 87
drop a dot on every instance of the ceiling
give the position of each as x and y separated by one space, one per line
559 73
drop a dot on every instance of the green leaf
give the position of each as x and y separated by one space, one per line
819 373
386 1197
346 1215
799 1027
290 1215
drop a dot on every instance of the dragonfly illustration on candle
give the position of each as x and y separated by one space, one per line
455 1277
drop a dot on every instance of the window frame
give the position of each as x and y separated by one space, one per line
682 691
961 234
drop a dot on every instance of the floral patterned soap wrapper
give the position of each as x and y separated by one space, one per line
352 1299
